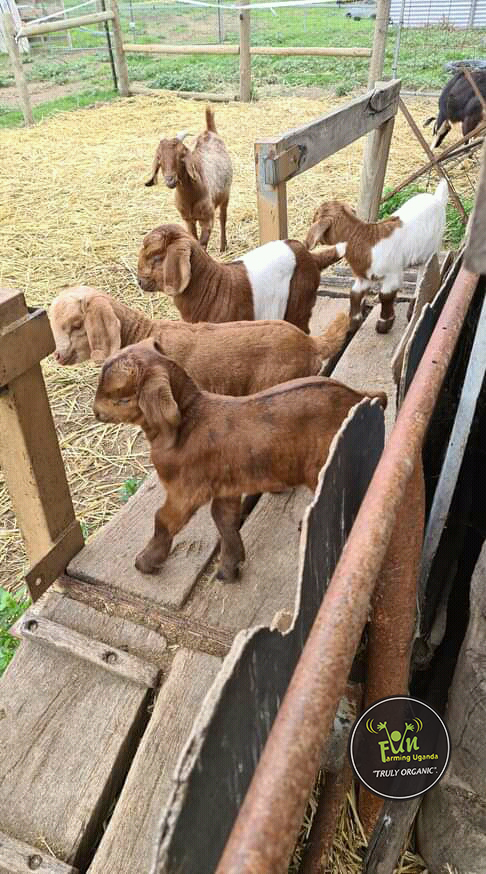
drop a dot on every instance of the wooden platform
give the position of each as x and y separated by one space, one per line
91 733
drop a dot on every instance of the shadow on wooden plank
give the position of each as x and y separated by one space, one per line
221 755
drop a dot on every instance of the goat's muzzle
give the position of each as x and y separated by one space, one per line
170 181
146 284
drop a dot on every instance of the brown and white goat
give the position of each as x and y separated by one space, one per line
382 250
201 178
208 447
233 358
276 281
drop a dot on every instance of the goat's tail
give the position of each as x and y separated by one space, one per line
442 192
325 257
210 124
331 341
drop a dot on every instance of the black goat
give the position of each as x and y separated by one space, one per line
458 103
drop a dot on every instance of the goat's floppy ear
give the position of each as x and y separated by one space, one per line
157 404
191 167
155 171
316 233
177 267
102 329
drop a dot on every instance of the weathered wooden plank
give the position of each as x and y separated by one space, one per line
128 843
389 837
23 344
220 758
98 624
68 734
375 160
428 285
110 556
475 254
53 634
30 456
19 858
271 199
328 134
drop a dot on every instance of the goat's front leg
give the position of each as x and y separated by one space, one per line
169 519
192 228
388 294
359 287
226 513
223 210
206 228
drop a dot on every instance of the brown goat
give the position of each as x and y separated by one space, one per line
201 177
233 358
276 281
207 447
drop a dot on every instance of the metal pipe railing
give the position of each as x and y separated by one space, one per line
269 819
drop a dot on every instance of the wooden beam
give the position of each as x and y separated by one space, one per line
390 835
233 49
380 34
475 254
29 450
329 133
428 151
119 53
135 670
64 24
18 70
16 857
24 344
271 200
245 56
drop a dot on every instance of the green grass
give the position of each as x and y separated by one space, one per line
129 487
11 609
13 118
455 229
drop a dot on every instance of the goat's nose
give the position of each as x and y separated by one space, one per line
170 181
57 355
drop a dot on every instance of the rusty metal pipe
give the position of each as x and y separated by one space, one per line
268 822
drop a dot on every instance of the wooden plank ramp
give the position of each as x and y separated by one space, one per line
89 758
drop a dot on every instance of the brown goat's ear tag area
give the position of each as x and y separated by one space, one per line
177 267
316 233
102 329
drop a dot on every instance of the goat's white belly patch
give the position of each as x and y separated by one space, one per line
270 269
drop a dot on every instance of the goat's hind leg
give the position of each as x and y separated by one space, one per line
226 513
169 519
223 209
388 294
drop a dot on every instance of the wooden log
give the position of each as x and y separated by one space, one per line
375 160
18 70
271 200
17 857
186 95
326 135
65 24
428 151
30 455
245 56
390 835
314 51
119 53
128 843
131 668
156 49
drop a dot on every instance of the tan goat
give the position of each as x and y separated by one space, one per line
276 281
207 447
201 178
234 358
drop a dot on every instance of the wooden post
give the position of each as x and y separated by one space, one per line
375 159
16 62
271 200
245 57
120 59
377 61
29 451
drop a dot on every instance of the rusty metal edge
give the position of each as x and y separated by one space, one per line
268 822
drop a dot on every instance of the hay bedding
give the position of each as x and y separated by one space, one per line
73 209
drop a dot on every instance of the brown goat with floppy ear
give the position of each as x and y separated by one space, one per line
207 447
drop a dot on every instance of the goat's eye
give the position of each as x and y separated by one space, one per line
122 401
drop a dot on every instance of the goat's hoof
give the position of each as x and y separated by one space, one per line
383 326
355 322
228 576
146 565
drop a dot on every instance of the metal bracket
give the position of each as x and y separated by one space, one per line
281 167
